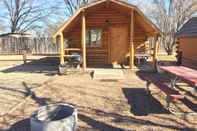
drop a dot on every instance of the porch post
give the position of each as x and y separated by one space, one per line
131 47
155 52
61 48
83 40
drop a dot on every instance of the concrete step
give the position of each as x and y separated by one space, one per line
108 74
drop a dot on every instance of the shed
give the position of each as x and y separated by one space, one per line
106 32
187 44
14 43
15 35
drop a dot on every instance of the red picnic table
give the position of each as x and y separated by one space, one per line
186 74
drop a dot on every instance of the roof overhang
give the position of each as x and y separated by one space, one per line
16 35
189 29
120 3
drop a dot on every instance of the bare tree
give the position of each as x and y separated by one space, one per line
170 15
72 5
52 27
64 10
1 28
25 15
69 8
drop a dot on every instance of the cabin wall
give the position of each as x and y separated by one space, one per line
188 48
105 19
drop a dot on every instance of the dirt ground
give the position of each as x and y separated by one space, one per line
102 105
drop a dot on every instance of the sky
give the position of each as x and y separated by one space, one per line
52 19
144 5
59 13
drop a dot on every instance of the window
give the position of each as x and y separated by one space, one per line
93 38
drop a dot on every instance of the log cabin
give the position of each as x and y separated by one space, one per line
187 44
107 32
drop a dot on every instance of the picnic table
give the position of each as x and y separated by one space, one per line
186 74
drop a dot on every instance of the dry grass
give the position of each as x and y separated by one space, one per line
14 60
107 105
102 105
169 58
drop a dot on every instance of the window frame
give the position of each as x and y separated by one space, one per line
89 40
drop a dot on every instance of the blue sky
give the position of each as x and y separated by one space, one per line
143 4
46 4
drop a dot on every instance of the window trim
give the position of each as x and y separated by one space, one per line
89 45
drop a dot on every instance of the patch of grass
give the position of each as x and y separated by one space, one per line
166 58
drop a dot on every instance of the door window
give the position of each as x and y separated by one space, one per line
93 37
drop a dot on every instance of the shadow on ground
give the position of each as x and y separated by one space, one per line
97 125
143 103
41 101
48 65
28 92
119 118
23 125
165 78
192 106
93 124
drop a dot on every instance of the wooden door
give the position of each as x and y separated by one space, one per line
97 56
118 44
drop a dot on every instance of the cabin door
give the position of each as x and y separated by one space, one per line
118 44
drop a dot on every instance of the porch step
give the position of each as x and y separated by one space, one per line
108 74
116 66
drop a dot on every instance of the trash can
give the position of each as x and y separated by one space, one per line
63 68
55 117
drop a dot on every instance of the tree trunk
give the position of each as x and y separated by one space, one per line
169 53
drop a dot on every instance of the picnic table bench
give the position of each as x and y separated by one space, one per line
172 94
186 74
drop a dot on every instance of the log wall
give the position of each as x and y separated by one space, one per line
188 48
105 19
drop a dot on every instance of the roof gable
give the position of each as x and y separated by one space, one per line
118 2
189 29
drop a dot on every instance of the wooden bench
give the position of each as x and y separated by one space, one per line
172 94
183 73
